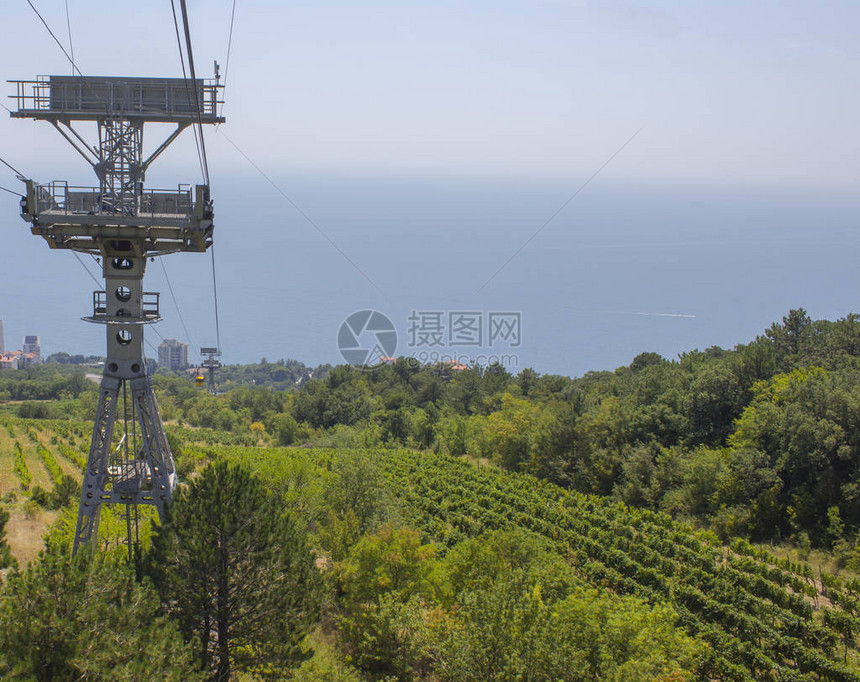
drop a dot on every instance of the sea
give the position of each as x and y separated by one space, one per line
526 272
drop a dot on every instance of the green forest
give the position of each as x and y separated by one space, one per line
690 518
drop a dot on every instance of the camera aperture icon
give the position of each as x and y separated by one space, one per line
366 337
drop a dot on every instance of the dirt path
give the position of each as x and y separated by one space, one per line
25 534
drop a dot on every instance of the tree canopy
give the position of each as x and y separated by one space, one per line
86 617
235 572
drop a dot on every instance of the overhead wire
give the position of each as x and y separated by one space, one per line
198 137
304 215
84 266
71 59
157 333
176 303
187 88
8 165
215 294
56 40
151 345
17 194
189 54
69 26
229 50
223 104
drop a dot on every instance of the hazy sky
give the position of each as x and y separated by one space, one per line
359 108
727 91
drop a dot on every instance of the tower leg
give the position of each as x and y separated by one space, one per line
95 476
148 477
159 459
132 464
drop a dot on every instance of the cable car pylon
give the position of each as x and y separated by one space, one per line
211 363
129 461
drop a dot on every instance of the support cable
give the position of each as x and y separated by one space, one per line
69 26
84 266
157 333
229 49
199 140
215 294
17 194
212 248
45 23
187 87
12 168
176 303
304 215
190 56
151 345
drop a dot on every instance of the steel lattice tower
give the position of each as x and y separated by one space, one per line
211 363
129 462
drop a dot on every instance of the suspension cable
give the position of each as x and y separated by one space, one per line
176 303
229 49
45 23
187 87
84 266
215 294
151 345
199 140
69 26
190 56
12 168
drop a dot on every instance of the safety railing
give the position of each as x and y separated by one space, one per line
92 96
60 198
149 310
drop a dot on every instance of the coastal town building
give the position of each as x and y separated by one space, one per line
173 354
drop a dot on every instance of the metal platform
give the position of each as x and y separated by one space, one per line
80 217
149 310
91 98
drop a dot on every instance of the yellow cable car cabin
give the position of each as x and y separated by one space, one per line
200 380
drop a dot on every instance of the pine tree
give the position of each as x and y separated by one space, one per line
86 617
235 572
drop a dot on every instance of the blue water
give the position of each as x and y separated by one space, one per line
624 268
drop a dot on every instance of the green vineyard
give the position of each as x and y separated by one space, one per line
764 618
